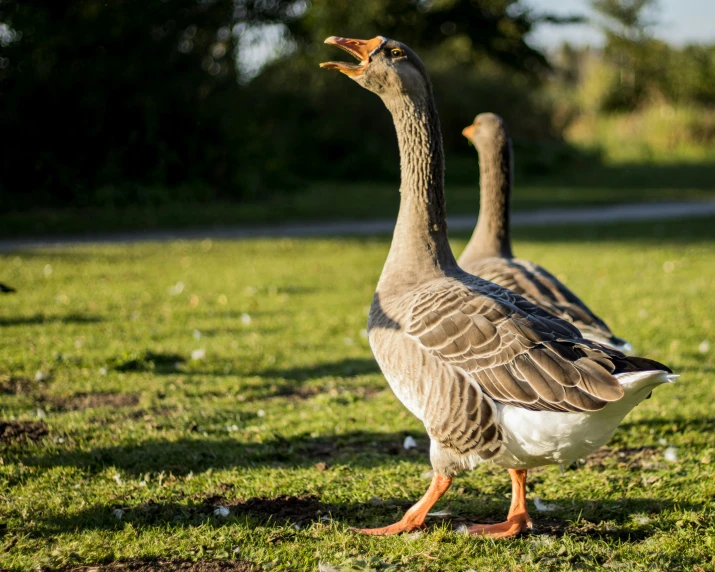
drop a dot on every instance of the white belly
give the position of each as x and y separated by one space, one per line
536 438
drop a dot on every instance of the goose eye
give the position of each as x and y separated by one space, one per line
396 52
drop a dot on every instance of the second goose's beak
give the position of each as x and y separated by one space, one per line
359 49
468 131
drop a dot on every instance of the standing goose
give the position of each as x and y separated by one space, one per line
488 254
492 376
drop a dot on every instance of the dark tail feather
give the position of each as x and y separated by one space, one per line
640 364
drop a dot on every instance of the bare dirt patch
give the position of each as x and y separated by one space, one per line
170 566
280 510
81 401
634 458
22 431
294 393
297 510
152 361
16 385
366 392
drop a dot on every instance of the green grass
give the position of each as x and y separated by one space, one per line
288 382
576 187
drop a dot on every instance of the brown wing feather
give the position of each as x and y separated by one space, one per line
543 289
517 353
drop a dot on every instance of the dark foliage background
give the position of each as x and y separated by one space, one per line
113 102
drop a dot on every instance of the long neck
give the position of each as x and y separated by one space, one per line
492 236
420 249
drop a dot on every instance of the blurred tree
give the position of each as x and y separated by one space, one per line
100 93
626 18
494 28
101 100
626 25
689 75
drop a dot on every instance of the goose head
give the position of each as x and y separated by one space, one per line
386 67
487 131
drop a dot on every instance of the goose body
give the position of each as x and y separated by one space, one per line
534 438
492 376
495 378
489 253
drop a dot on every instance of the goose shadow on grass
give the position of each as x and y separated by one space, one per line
197 453
345 368
298 382
291 382
364 449
612 521
350 367
602 518
167 363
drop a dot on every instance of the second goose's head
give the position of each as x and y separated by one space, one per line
488 132
386 67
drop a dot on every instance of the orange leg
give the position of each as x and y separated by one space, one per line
518 520
415 517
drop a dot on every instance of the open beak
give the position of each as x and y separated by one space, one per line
468 131
359 49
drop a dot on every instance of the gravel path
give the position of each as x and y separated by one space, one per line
615 213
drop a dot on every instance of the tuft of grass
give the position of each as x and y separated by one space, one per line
251 387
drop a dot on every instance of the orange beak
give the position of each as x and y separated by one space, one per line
468 131
359 49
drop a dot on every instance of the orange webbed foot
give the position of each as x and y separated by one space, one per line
513 526
517 521
414 518
397 528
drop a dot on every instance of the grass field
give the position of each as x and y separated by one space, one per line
144 387
576 187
